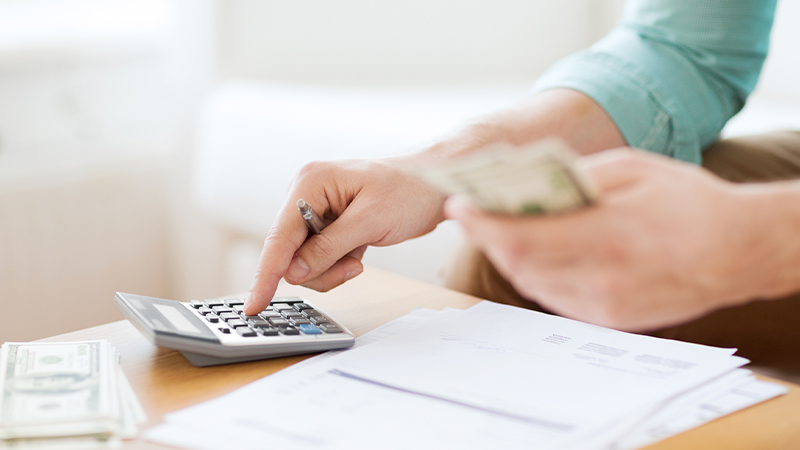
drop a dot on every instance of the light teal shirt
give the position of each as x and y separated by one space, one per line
673 71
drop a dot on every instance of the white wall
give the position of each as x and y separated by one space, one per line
358 42
781 75
96 109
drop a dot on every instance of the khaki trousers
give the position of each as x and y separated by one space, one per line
766 332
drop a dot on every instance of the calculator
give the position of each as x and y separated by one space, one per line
217 331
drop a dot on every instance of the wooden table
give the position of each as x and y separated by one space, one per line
165 381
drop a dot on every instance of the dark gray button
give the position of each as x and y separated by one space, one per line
268 331
246 332
236 323
233 302
203 310
289 330
229 316
270 315
251 317
281 306
196 304
279 322
316 320
310 312
212 303
212 318
301 306
225 330
330 328
221 309
258 322
289 314
299 321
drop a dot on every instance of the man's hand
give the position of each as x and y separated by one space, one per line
668 242
363 203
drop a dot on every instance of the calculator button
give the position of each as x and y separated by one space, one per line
310 312
330 328
281 306
309 329
290 313
203 310
268 331
246 332
236 323
289 330
212 303
258 322
221 309
299 321
196 304
245 317
287 300
301 306
279 322
238 308
228 316
233 302
225 330
318 319
270 315
213 318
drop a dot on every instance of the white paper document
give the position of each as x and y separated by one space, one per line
492 376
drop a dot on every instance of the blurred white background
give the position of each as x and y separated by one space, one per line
145 145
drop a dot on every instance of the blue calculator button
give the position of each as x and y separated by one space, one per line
308 328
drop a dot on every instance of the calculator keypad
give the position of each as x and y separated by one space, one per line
289 318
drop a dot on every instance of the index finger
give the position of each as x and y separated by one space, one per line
284 238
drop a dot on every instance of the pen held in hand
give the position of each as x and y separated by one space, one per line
312 219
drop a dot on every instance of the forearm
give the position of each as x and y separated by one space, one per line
564 113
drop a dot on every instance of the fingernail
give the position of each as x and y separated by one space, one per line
298 269
352 274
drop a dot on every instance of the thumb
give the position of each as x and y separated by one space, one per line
614 169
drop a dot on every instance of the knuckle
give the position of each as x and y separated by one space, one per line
514 254
616 250
311 169
274 235
323 248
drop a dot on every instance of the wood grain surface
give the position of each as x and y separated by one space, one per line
165 381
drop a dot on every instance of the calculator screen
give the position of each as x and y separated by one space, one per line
174 316
166 317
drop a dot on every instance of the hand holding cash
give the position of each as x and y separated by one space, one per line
65 395
537 178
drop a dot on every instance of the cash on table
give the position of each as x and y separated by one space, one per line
65 395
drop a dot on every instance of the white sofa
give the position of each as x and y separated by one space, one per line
252 137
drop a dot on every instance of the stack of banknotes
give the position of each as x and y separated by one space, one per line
65 395
536 178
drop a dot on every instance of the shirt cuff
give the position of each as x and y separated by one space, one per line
637 103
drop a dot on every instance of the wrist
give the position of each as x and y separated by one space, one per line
771 243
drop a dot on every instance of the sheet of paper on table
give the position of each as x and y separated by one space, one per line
490 376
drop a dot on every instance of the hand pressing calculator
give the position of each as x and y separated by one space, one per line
213 332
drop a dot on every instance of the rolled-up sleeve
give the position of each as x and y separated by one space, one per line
673 72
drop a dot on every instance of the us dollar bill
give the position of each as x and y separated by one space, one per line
65 395
537 178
